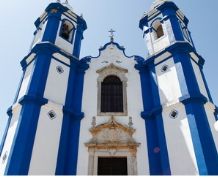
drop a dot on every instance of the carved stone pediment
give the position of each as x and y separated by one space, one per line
112 135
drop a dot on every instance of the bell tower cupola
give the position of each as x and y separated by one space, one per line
60 26
163 25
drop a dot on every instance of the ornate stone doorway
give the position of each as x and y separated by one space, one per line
111 141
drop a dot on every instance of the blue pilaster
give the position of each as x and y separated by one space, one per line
205 149
50 33
156 141
78 37
21 149
69 141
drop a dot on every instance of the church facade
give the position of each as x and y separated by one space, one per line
112 114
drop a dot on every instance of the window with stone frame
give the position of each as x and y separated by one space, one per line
112 94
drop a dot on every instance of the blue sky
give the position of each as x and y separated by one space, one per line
17 27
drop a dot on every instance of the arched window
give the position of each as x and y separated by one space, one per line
158 29
67 30
112 94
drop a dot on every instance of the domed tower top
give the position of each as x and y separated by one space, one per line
163 25
60 26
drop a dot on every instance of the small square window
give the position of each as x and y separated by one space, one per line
52 115
164 68
60 69
174 114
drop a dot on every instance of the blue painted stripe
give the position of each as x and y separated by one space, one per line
156 141
52 26
69 140
196 108
164 158
187 77
208 160
206 137
78 40
165 162
21 149
150 124
64 139
196 142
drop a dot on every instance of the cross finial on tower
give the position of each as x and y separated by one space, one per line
66 1
111 35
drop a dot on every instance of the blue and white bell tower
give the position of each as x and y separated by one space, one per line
178 110
44 121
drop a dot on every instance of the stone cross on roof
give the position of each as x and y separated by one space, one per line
111 35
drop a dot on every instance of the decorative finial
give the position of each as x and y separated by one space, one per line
112 35
112 122
58 1
93 121
130 122
66 2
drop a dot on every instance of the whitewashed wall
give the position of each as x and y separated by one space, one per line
168 82
179 142
10 137
56 85
46 143
134 104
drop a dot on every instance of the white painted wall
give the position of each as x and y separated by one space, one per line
161 43
134 104
26 80
200 81
10 136
179 142
46 144
168 83
56 86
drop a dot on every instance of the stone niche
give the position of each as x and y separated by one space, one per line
112 140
